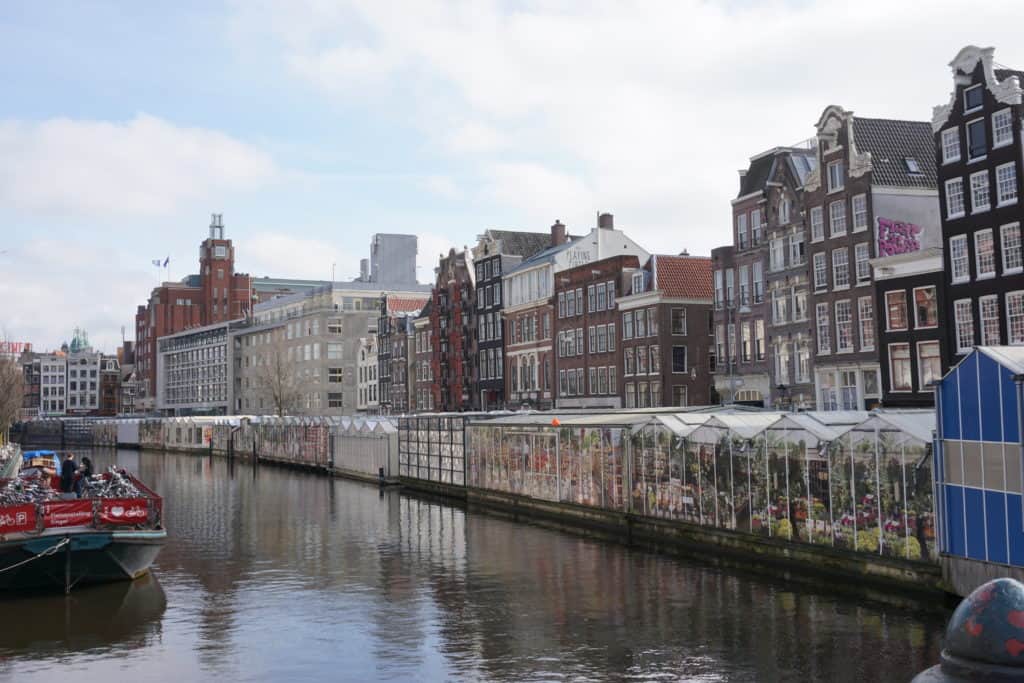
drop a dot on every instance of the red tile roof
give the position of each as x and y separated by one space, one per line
400 304
687 277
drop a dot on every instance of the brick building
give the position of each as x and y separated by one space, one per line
496 252
452 320
422 375
666 334
393 330
869 173
589 357
978 150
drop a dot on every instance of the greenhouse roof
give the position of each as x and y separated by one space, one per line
917 424
806 423
745 425
1010 357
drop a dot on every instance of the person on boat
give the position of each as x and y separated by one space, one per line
84 472
67 473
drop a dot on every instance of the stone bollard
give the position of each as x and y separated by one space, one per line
984 638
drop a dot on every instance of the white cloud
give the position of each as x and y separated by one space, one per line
144 167
647 109
281 255
443 186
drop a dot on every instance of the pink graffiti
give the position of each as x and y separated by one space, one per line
895 237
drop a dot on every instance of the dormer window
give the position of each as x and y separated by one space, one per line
972 98
638 282
912 166
835 176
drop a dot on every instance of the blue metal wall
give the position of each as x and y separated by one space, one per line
978 413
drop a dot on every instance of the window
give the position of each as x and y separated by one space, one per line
799 305
817 224
655 354
592 377
837 218
955 198
926 308
729 281
820 272
652 322
860 213
641 360
895 310
602 298
1015 317
640 318
611 336
964 324
780 306
334 351
776 255
1006 184
579 341
759 339
678 359
592 339
866 316
591 298
744 284
835 176
561 304
958 258
1012 260
720 342
335 400
980 200
602 378
989 309
848 389
627 325
579 301
679 321
628 362
841 268
950 145
977 147
756 223
1002 128
844 326
745 342
984 254
972 98
929 364
741 231
758 276
863 263
719 293
824 342
610 291
913 168
796 248
783 211
899 367
655 394
679 396
630 395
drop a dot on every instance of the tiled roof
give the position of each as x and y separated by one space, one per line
517 243
687 277
542 256
891 142
400 304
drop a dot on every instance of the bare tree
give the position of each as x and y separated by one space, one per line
12 385
278 383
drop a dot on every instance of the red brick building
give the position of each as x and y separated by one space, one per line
588 355
666 334
216 294
453 303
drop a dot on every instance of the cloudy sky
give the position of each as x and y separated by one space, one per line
313 124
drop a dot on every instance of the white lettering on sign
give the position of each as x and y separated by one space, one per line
578 257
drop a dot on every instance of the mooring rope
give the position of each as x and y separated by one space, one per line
45 553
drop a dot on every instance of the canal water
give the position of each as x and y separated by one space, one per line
277 575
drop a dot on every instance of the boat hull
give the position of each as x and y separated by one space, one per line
89 557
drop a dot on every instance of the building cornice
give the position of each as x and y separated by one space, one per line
1007 91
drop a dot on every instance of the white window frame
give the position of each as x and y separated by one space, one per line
892 375
1011 338
822 322
861 199
958 182
967 139
823 261
832 232
979 273
953 260
964 101
1000 201
817 224
836 285
906 312
837 183
922 384
847 322
865 313
961 334
991 302
917 320
976 189
861 249
949 136
1007 250
1008 139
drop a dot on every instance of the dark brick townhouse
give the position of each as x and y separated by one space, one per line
869 172
452 318
588 354
666 335
496 252
393 325
978 153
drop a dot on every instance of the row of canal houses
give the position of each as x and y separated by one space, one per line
545 320
868 261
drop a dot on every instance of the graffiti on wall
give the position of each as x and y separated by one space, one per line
897 237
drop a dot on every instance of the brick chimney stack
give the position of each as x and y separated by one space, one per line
605 221
557 233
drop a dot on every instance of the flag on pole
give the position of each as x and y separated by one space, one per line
156 262
166 261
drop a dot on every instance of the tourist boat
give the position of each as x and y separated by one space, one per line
47 540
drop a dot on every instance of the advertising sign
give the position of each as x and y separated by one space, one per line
62 513
17 518
124 511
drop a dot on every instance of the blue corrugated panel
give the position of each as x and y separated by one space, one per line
975 505
1015 521
951 405
955 520
1010 406
991 417
970 420
994 506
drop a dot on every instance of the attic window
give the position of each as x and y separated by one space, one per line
972 98
912 165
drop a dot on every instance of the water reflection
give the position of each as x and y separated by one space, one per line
273 574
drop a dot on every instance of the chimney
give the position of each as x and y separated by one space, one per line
605 221
743 175
557 233
364 270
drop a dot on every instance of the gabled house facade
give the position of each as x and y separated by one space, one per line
869 173
978 152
